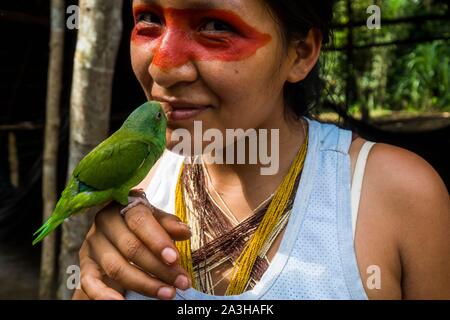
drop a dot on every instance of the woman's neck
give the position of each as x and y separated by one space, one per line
242 186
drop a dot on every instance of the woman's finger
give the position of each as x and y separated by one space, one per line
172 224
127 275
141 221
134 250
91 279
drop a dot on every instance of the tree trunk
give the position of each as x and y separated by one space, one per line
350 82
13 159
50 163
97 46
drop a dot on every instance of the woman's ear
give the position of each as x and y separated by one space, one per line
305 54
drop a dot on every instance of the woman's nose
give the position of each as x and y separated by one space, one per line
173 61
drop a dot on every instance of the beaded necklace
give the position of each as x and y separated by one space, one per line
257 245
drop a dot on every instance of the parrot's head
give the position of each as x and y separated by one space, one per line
149 120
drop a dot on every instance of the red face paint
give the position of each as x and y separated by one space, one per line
176 38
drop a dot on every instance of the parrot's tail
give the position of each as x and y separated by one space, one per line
51 224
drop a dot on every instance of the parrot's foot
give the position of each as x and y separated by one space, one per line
134 200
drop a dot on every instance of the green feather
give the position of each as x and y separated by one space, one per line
112 168
50 225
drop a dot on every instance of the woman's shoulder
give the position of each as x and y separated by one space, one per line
400 181
410 188
404 177
405 205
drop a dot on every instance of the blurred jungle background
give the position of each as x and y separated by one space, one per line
388 81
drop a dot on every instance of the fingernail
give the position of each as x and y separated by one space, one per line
185 225
182 282
165 293
169 255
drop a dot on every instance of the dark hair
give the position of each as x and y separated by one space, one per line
296 18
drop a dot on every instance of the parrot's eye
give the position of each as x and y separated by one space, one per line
158 116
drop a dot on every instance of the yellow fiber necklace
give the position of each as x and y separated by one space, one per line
243 266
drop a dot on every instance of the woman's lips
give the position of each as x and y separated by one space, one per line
185 113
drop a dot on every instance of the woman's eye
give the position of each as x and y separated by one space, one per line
148 17
217 26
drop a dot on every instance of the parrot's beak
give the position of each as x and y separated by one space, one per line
166 107
164 114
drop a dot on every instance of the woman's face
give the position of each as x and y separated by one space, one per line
221 60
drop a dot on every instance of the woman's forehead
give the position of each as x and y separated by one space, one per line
238 6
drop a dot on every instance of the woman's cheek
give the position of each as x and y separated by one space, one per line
237 82
143 46
140 62
142 52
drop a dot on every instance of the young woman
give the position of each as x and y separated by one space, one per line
327 232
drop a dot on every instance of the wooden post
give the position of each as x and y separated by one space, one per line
99 35
13 159
50 162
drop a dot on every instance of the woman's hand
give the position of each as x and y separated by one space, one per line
135 253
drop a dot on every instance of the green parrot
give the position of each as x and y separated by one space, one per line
112 168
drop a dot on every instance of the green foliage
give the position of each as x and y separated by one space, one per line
420 79
395 77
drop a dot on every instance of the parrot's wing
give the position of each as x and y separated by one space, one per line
111 165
